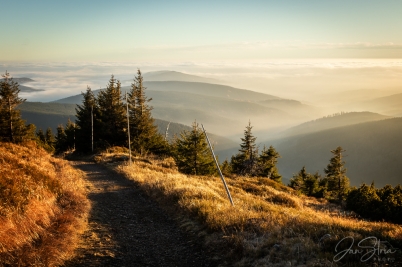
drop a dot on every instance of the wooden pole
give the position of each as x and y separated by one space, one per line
217 166
128 130
92 128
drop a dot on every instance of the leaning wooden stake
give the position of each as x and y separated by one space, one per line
217 166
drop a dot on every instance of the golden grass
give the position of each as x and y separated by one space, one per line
43 207
270 225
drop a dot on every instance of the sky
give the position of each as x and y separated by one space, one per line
187 31
289 48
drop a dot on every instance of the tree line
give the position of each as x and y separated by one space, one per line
106 120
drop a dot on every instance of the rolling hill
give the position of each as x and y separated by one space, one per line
167 75
390 105
223 109
373 151
334 121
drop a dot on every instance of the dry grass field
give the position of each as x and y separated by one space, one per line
43 207
269 225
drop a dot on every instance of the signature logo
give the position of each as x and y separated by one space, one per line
368 248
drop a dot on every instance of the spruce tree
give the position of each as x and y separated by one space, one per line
12 127
246 161
41 136
87 114
61 140
144 133
338 183
192 154
70 132
305 182
112 115
267 164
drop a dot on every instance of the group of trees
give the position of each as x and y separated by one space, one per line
12 127
193 156
102 121
377 204
248 162
335 184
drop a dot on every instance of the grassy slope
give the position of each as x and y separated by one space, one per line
373 151
43 207
268 226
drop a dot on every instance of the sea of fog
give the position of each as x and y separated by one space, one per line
310 81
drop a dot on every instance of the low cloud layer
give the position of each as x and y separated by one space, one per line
286 78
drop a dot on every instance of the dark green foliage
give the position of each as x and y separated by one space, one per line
307 183
113 131
377 204
338 183
65 137
192 154
87 114
143 131
61 140
246 161
249 163
226 168
12 127
70 132
46 140
267 164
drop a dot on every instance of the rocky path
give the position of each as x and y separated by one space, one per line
126 228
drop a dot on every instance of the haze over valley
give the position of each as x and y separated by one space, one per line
303 131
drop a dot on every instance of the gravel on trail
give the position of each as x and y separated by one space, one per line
127 228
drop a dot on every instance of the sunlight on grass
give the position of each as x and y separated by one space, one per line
269 222
43 207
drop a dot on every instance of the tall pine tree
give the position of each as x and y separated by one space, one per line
12 127
246 161
144 133
338 183
87 120
267 164
112 115
192 154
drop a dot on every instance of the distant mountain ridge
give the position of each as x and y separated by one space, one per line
167 75
333 121
223 108
373 151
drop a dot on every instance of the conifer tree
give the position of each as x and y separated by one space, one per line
246 161
87 114
192 154
338 183
112 115
41 136
70 131
144 133
49 137
267 164
305 182
12 127
61 140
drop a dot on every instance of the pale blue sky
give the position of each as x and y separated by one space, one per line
158 31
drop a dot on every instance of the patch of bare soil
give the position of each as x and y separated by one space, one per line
127 228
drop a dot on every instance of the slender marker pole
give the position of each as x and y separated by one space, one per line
219 169
128 129
92 128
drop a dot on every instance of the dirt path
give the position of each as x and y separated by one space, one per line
126 228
